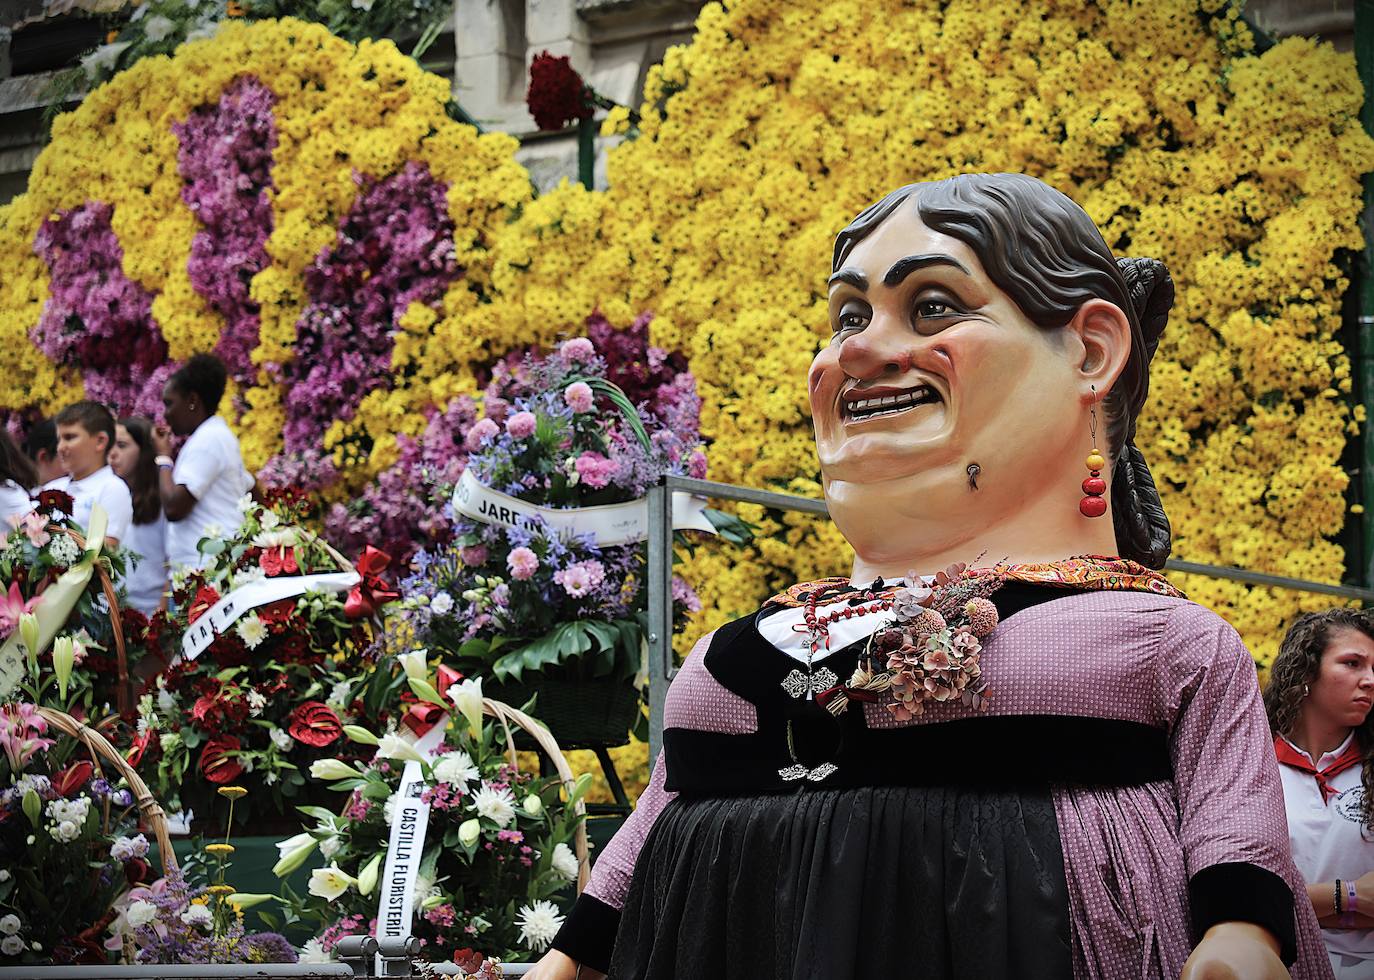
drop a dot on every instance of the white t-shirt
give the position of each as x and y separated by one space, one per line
104 488
210 466
147 582
14 504
1326 839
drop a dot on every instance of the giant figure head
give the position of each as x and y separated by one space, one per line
980 326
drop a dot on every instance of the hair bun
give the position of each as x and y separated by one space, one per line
1152 294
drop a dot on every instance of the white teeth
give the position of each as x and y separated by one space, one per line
923 393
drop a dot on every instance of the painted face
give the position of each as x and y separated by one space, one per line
80 452
931 368
1344 689
179 407
124 455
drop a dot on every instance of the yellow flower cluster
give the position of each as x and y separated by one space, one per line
780 121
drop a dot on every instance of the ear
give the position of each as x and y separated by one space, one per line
1105 334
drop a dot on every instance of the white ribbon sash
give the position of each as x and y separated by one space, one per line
200 634
610 524
406 848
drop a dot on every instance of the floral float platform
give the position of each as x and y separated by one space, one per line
1082 817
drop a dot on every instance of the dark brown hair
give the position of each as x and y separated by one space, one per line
14 465
1296 668
94 417
144 478
1042 250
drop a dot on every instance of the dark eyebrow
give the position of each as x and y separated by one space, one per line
854 277
905 267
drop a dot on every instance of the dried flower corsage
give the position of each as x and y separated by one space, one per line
930 651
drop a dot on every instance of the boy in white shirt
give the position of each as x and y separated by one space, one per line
201 490
85 433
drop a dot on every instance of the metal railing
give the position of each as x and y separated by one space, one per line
662 663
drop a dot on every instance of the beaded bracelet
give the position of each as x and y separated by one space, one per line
1340 893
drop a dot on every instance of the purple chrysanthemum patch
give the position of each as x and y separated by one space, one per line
96 318
394 248
226 160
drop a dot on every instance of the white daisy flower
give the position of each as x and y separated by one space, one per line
539 922
497 805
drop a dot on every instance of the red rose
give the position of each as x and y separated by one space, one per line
200 605
557 94
136 871
51 500
215 762
314 723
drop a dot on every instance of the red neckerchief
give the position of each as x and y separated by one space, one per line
1290 756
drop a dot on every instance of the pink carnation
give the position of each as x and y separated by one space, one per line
578 395
521 425
522 563
577 351
579 579
479 433
595 470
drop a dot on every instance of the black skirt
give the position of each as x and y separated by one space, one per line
920 882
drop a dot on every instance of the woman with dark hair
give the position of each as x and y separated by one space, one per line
201 490
132 460
1051 766
17 475
1320 690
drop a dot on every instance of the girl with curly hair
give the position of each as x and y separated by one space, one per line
1318 699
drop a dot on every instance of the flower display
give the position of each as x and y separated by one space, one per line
500 599
755 143
173 921
78 668
497 859
69 845
266 698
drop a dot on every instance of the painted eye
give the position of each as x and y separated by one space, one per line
932 307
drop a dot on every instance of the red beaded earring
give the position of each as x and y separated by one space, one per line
1092 504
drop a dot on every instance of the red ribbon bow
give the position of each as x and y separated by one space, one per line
831 693
424 715
1290 756
371 592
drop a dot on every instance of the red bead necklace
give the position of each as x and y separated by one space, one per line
817 630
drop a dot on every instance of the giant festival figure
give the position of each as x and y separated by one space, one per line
1004 745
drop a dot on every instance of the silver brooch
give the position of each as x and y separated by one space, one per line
797 684
799 771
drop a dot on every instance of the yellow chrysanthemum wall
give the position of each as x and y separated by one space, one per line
781 121
758 141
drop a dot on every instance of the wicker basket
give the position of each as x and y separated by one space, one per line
99 748
507 715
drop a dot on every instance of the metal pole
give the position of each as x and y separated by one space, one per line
1363 355
660 557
